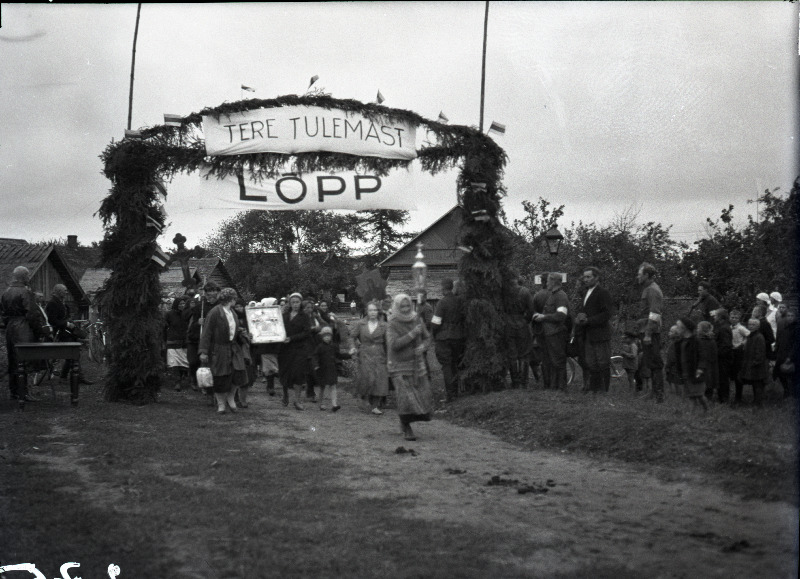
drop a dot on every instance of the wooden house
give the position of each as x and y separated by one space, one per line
48 268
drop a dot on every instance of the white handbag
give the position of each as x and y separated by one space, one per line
204 378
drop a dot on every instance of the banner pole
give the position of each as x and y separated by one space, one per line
483 64
133 64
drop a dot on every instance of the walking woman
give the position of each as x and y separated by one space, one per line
407 340
221 343
175 325
372 381
293 360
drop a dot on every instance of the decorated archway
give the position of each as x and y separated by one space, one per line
139 165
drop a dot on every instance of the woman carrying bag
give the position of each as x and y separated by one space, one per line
221 345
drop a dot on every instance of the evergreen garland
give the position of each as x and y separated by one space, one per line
132 293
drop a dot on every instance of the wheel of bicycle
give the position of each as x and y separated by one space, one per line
97 349
572 369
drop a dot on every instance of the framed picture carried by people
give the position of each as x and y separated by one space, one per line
265 323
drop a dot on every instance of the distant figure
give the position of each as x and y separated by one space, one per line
703 308
690 364
23 321
593 328
58 315
353 310
324 360
755 365
447 326
555 330
175 326
372 380
652 304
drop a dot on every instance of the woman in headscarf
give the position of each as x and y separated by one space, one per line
252 368
407 340
221 344
293 358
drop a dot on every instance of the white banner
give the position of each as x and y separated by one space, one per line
312 191
303 129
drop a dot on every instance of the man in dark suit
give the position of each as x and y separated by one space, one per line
593 329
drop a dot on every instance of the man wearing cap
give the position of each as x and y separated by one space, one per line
23 322
703 309
554 319
650 326
196 312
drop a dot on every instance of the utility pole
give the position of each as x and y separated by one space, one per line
483 65
133 64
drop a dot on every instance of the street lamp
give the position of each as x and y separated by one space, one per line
419 271
553 238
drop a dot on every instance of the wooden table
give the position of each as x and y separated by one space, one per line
32 351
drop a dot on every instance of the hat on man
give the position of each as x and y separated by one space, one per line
775 296
763 297
326 330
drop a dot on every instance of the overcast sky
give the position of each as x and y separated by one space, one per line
677 109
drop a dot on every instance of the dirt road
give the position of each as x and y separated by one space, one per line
576 514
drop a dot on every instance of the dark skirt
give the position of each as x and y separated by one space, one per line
414 397
224 384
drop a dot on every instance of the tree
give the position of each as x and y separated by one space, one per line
307 247
380 230
760 255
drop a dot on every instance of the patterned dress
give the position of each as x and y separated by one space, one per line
372 378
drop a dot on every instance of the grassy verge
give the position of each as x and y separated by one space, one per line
751 452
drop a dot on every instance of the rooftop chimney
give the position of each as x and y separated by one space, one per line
72 241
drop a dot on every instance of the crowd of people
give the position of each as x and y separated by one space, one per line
705 350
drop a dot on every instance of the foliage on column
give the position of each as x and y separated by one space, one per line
132 294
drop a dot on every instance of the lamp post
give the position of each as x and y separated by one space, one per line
553 237
419 271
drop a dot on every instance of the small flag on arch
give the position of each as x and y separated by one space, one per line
161 190
172 120
154 224
379 99
161 258
248 88
478 186
497 128
130 134
314 79
442 117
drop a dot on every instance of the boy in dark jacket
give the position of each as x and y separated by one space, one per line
325 356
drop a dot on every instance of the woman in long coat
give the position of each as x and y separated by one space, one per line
407 340
220 343
372 381
293 360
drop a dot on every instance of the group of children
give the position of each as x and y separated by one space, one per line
703 357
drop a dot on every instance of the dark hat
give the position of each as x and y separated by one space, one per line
211 287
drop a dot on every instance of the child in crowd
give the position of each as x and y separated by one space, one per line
630 358
738 337
755 366
708 357
671 368
689 363
325 355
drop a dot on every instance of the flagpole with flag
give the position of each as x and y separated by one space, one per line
379 98
133 64
245 88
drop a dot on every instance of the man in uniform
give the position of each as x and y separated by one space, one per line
593 330
650 327
23 321
447 326
519 339
555 330
536 357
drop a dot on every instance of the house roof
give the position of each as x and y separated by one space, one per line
440 242
171 279
33 256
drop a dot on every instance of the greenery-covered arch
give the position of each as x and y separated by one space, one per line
138 166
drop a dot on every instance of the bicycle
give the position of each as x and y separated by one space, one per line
617 371
98 352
